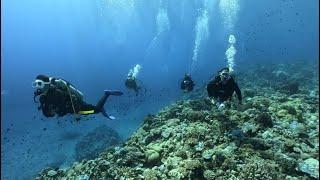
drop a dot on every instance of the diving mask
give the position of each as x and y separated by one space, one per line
39 84
225 75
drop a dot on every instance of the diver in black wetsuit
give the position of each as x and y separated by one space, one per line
187 84
222 87
58 96
131 83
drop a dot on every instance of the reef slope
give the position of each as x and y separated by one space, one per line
272 135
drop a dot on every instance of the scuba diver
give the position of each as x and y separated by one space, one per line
131 83
58 96
221 88
187 84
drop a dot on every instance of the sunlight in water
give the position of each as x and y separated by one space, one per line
125 6
120 15
162 21
163 26
202 33
201 30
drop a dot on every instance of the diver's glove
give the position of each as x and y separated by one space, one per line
221 106
212 101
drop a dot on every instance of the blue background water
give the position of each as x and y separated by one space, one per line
94 43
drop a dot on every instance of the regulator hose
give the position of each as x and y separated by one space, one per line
35 94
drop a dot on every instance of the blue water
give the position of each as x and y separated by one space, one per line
94 43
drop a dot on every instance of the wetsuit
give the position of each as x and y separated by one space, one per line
187 84
57 100
223 91
132 84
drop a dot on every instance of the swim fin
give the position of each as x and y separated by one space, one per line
113 92
106 115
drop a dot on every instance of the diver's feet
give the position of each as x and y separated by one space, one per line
113 92
106 115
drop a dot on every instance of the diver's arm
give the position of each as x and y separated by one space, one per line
193 84
41 100
140 83
141 86
47 110
238 92
182 86
181 83
211 90
216 80
211 87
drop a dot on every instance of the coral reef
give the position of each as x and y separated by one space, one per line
92 144
273 135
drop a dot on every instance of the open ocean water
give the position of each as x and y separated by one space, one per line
271 48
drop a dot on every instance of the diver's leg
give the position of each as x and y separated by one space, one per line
103 99
87 107
106 115
137 91
101 102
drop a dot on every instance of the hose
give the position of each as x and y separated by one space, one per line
74 110
35 94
